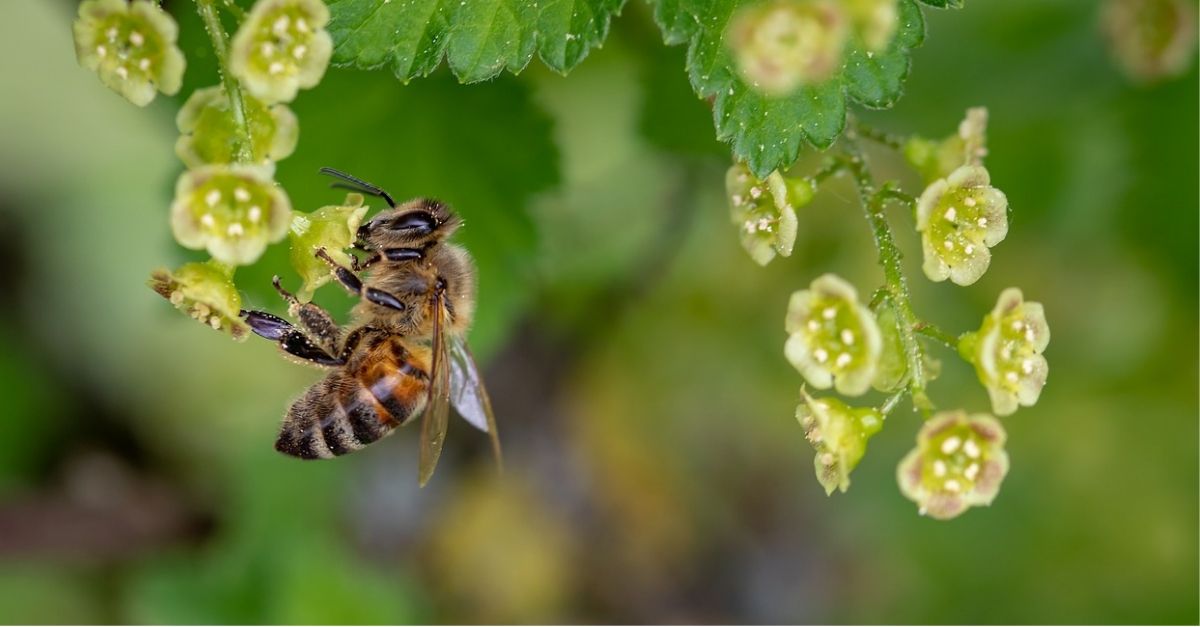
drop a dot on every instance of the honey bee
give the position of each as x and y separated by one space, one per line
405 353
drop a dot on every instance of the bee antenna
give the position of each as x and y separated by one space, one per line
354 183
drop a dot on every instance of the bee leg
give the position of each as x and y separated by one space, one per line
355 286
312 317
358 265
291 339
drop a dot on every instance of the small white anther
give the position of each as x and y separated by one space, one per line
301 25
948 244
1011 376
969 249
828 313
267 49
821 354
136 38
971 472
235 230
813 325
847 337
299 51
111 33
737 200
281 24
971 449
255 213
1029 334
951 214
968 201
122 72
1027 366
101 50
755 192
952 485
951 444
275 68
144 64
939 468
843 360
1017 325
212 197
241 194
207 220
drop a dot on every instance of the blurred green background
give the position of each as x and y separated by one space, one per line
654 470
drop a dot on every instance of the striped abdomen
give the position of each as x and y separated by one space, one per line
350 409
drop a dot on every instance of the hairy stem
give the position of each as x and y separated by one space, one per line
885 138
895 283
933 332
216 32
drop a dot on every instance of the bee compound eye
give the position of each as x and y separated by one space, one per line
417 221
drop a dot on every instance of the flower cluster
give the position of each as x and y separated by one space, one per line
282 47
839 434
131 45
209 132
781 45
332 228
764 211
1007 352
204 291
232 211
833 340
959 462
960 217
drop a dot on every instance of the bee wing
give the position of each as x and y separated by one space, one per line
437 409
467 393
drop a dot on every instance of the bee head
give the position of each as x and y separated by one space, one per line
410 225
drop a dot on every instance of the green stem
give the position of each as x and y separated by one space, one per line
895 142
831 167
895 283
234 9
891 402
932 331
220 43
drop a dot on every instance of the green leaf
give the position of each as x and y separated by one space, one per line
944 4
767 132
477 38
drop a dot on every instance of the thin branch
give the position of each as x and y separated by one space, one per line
220 43
891 140
933 332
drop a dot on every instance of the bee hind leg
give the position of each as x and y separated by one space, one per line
313 318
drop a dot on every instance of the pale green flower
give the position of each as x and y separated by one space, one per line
281 47
131 46
937 159
210 134
781 45
1007 352
960 218
332 228
959 462
765 211
204 291
839 433
833 340
232 211
1151 40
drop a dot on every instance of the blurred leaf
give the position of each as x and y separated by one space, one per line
478 38
767 132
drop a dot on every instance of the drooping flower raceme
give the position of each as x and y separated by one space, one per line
781 45
839 433
959 462
332 228
210 134
960 217
281 47
937 159
833 340
204 291
232 211
764 211
1007 352
131 45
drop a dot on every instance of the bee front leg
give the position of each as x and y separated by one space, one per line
354 285
291 339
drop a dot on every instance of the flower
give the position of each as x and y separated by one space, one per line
833 339
233 211
209 133
875 21
839 433
960 217
1151 39
1007 352
204 291
281 47
332 228
959 462
784 44
131 45
937 159
764 211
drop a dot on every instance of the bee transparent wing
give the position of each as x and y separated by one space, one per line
467 393
437 409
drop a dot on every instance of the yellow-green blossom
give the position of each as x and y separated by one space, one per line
779 46
1151 40
131 45
833 340
960 218
1007 352
204 291
281 47
210 134
232 211
839 433
332 228
764 211
959 462
935 159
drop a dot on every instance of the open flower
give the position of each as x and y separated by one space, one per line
959 462
332 228
781 45
937 159
833 339
875 21
764 211
209 133
1007 352
281 47
233 211
960 217
1151 39
131 45
204 291
839 433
